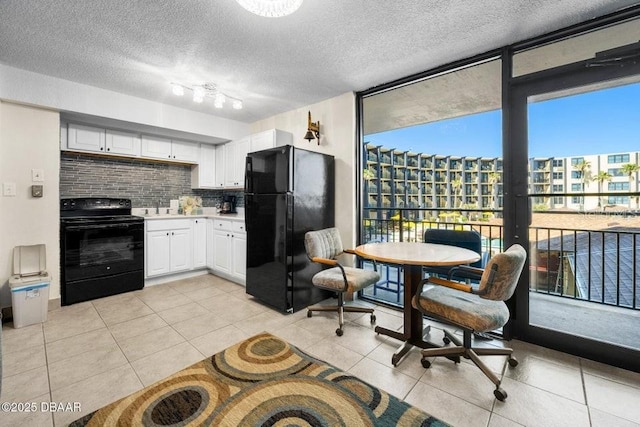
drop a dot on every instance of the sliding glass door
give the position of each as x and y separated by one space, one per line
575 159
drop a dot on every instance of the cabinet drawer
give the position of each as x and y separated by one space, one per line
222 224
168 224
238 227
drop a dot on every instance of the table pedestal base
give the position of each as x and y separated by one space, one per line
407 344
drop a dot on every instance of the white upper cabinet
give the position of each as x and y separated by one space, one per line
235 155
161 148
203 175
122 143
86 138
184 151
156 148
220 166
270 139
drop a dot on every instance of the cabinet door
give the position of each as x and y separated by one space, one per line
85 138
156 148
219 177
209 243
230 164
221 255
158 253
204 174
242 149
123 143
184 151
262 141
181 244
199 243
235 154
239 251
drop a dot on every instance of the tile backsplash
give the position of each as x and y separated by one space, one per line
146 183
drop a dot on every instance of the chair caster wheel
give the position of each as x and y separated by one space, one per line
513 362
500 394
454 359
339 332
425 363
309 313
446 340
373 318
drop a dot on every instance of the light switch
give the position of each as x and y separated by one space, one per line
9 189
37 175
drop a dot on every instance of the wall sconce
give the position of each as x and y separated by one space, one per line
313 130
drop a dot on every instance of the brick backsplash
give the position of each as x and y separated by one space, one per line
144 182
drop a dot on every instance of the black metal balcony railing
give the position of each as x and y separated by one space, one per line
598 266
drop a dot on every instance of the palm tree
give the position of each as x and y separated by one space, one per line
494 178
583 168
456 185
601 177
630 169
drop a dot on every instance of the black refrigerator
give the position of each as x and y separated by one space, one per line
288 191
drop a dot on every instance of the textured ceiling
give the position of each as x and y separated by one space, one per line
326 48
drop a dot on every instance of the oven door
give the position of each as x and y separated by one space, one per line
98 250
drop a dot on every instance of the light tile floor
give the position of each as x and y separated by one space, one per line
99 351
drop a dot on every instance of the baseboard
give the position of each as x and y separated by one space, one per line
172 277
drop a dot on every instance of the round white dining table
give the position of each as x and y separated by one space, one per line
412 256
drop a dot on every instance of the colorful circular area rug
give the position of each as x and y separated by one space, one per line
262 381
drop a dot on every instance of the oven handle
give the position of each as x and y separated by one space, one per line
100 226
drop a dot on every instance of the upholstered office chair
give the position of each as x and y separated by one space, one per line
482 309
468 239
324 246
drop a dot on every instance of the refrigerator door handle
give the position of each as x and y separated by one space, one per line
248 175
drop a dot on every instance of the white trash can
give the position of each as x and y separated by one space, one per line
30 299
29 285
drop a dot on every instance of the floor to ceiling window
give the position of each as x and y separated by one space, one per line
432 158
567 170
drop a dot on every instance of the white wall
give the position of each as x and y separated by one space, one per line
37 89
337 137
29 139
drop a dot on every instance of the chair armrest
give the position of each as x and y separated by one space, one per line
331 262
465 268
449 284
352 252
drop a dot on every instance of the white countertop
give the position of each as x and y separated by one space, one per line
235 217
166 213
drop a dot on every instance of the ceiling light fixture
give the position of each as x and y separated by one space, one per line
313 130
271 8
201 91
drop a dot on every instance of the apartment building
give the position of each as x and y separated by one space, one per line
401 179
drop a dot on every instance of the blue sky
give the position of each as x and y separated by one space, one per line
605 121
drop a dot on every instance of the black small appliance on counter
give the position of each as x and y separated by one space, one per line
228 205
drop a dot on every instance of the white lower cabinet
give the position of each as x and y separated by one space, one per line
209 243
221 258
239 256
230 249
168 246
199 243
176 245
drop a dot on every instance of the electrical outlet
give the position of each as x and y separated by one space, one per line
9 189
37 175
